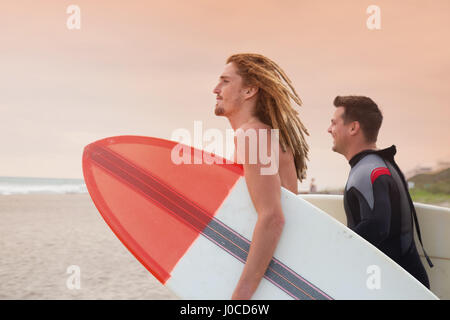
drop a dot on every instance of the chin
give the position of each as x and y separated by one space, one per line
334 148
218 111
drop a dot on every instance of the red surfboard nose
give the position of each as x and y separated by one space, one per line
154 206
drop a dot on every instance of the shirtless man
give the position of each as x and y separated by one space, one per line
253 93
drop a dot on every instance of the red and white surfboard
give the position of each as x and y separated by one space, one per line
191 226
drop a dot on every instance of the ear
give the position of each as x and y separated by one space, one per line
250 92
354 128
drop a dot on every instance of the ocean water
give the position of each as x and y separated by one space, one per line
23 185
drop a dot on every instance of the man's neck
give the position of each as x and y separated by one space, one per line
354 150
243 116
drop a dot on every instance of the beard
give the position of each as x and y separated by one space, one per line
219 111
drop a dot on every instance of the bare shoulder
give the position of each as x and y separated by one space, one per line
272 160
255 125
255 133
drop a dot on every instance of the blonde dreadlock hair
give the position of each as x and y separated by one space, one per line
273 106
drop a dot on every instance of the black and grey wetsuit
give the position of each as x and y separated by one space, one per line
379 208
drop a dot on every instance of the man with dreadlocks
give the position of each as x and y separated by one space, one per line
255 95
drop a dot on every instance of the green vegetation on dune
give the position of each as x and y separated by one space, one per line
432 188
438 182
424 196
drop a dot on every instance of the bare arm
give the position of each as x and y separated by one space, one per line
265 192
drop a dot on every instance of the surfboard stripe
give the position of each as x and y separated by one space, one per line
278 273
275 264
201 221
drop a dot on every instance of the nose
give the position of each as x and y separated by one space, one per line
216 90
329 129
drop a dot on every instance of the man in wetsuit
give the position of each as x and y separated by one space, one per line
376 198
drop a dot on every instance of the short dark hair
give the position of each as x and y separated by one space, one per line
363 110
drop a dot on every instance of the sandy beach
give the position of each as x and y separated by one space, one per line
42 235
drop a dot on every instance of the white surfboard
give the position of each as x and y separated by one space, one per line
191 226
434 222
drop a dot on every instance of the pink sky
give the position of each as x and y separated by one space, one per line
149 67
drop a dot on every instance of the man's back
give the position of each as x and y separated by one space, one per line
287 171
379 209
